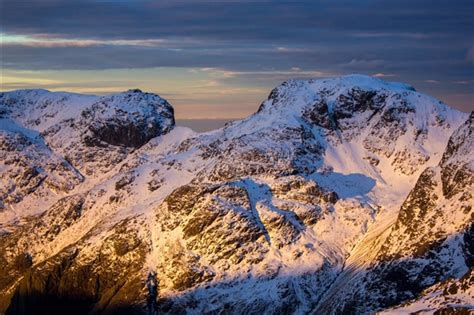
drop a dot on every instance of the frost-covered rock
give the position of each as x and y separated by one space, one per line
127 119
50 142
453 296
29 168
92 133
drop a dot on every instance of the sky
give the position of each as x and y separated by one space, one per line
220 59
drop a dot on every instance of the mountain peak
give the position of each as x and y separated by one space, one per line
364 81
131 118
134 91
351 81
329 102
70 122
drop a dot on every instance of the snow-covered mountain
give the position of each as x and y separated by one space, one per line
344 195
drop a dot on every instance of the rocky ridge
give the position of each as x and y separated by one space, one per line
265 215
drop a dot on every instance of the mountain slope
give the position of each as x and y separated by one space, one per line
430 242
260 216
56 140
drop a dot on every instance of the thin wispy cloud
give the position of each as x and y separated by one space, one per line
384 75
416 36
47 42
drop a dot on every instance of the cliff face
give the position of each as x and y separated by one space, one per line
269 214
428 253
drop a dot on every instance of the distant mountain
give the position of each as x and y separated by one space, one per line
348 195
203 125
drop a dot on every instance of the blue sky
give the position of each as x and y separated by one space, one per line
219 59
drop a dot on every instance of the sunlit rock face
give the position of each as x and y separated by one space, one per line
344 195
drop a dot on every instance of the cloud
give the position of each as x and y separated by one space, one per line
27 81
258 20
384 75
272 76
371 63
416 36
237 34
464 82
47 42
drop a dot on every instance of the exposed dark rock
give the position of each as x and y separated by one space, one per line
23 262
454 310
469 245
128 126
124 181
458 174
319 114
103 285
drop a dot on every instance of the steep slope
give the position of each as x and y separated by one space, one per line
29 167
260 216
430 242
